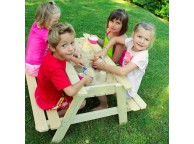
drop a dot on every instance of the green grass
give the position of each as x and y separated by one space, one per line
149 126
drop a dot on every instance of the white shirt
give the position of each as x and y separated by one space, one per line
141 60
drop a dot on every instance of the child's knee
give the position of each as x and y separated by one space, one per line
62 112
83 104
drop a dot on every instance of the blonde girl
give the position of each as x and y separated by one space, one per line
46 15
135 59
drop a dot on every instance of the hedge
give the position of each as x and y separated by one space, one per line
158 7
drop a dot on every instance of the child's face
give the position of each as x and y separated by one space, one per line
65 47
115 25
141 39
54 19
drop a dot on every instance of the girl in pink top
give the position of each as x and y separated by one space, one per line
46 15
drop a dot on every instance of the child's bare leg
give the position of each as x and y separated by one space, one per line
103 103
62 112
83 104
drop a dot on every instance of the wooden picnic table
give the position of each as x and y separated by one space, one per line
50 119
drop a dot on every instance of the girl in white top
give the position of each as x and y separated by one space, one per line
135 58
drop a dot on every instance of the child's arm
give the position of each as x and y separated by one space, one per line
100 41
77 61
115 69
73 89
117 53
113 41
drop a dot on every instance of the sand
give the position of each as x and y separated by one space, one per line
99 77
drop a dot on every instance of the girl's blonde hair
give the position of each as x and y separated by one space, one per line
56 30
147 26
45 12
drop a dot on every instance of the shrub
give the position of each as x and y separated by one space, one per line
158 7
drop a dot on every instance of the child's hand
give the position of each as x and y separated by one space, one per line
101 53
87 79
77 54
98 65
78 62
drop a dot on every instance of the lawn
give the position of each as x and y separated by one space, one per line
148 126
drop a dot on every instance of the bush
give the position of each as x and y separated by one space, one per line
157 7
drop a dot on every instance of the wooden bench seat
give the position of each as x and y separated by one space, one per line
41 122
135 103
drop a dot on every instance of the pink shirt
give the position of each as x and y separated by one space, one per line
37 45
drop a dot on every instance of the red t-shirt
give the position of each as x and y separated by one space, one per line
52 79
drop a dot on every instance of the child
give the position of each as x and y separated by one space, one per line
54 90
46 15
117 25
135 59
